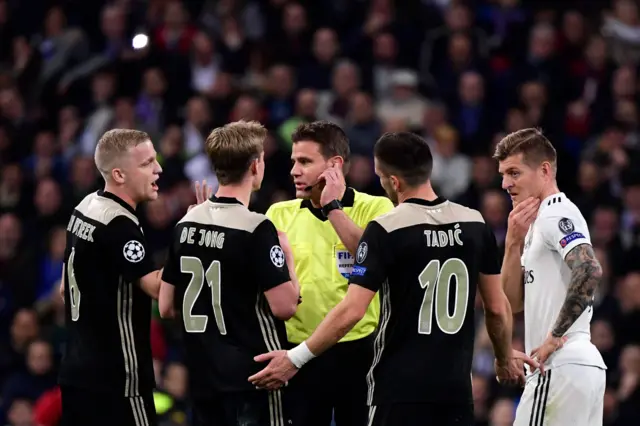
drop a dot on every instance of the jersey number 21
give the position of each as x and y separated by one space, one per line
198 323
436 279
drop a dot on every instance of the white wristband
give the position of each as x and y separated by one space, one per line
300 355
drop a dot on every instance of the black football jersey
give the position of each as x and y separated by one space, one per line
222 259
108 315
424 257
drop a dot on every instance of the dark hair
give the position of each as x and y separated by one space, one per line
531 143
332 139
405 155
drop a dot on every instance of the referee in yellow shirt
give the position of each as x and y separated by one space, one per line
324 225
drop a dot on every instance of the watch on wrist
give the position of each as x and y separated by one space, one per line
333 205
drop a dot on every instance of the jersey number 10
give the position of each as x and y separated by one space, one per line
198 323
436 280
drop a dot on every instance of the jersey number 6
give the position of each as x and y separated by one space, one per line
198 323
437 281
74 291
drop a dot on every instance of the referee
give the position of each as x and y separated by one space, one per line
324 224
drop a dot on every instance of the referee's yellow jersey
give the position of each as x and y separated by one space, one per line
322 262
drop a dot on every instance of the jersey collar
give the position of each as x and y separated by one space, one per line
347 201
424 202
224 200
117 199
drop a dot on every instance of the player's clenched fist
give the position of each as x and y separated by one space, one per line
521 217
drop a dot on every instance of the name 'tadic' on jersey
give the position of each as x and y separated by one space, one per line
222 259
558 229
425 259
108 315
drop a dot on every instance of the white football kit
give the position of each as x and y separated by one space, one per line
572 390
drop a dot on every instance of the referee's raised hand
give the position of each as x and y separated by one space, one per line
203 193
335 184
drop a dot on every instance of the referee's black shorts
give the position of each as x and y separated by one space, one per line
334 384
87 407
420 414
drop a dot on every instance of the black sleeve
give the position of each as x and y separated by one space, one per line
268 257
129 249
490 262
370 269
171 274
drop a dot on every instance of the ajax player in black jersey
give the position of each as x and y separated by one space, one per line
229 278
106 374
426 257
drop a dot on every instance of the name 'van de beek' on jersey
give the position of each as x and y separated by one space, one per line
222 260
108 315
558 229
424 258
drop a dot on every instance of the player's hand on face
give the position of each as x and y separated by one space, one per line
335 185
203 193
549 346
521 217
275 375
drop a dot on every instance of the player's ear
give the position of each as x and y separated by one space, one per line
254 167
118 175
336 161
395 182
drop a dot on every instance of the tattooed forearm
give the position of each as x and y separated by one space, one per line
585 276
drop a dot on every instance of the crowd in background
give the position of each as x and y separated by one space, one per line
462 75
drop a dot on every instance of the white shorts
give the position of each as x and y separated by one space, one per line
568 395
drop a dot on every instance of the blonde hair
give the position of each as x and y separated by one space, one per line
113 146
233 147
531 143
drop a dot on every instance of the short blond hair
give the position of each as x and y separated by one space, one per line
114 145
531 143
233 147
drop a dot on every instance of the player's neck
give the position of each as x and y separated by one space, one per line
549 191
120 193
423 192
240 192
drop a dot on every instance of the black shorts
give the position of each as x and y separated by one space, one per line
420 414
334 384
83 407
253 408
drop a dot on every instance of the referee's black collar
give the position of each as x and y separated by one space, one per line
423 202
347 201
224 200
114 197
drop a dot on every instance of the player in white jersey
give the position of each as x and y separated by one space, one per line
550 272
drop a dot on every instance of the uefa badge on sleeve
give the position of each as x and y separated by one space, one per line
277 256
361 254
566 226
133 251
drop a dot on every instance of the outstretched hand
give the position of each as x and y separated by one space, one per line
203 193
511 371
275 375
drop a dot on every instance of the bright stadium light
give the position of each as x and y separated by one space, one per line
140 41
